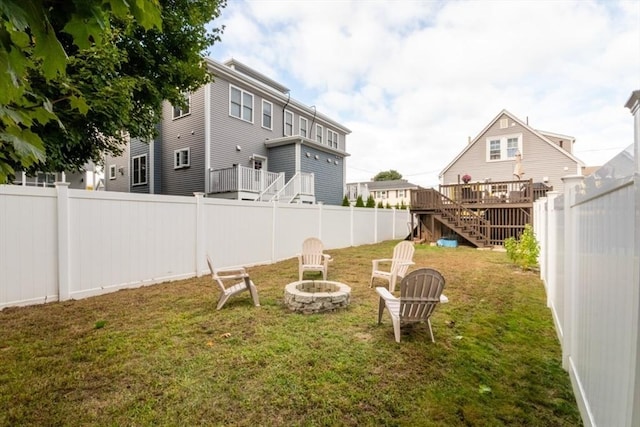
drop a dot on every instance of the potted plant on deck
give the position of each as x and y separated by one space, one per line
466 190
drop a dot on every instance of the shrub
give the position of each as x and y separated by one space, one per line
380 205
359 202
371 203
345 201
524 251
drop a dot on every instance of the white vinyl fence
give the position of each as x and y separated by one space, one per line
589 259
59 243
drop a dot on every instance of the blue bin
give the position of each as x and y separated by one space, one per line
447 243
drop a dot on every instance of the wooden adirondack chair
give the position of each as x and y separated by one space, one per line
397 266
222 275
420 293
312 258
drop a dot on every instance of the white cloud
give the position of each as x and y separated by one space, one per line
414 80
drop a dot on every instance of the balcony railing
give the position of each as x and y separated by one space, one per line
266 186
240 178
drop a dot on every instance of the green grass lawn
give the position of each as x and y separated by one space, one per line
162 355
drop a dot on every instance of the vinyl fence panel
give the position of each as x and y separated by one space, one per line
57 244
28 245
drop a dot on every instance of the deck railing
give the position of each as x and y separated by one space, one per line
300 184
482 193
240 178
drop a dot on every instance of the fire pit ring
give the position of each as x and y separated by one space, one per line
316 296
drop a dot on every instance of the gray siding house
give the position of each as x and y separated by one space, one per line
240 137
491 156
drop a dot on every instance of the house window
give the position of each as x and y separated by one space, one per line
381 194
181 158
512 147
240 104
319 132
139 168
288 123
332 138
112 171
494 149
400 193
258 162
503 147
504 123
267 107
303 127
182 111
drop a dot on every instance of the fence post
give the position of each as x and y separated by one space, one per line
201 234
64 259
319 220
273 230
552 247
571 183
351 208
393 222
375 224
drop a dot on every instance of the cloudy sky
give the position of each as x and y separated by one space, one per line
413 80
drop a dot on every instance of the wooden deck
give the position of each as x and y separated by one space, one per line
481 214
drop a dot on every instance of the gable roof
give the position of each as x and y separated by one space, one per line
537 133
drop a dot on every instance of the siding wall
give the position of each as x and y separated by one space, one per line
121 182
329 176
282 159
45 254
181 133
539 160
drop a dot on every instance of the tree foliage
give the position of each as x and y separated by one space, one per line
359 202
83 76
345 201
389 175
371 202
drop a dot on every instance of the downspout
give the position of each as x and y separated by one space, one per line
207 138
283 117
312 122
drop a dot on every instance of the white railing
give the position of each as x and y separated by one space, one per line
269 193
300 184
240 178
43 247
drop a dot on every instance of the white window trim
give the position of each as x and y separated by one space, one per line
320 132
112 172
284 123
133 170
306 127
182 113
180 165
503 147
332 142
262 122
242 93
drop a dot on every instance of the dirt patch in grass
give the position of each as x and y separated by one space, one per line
163 355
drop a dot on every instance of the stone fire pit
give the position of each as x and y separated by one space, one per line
316 296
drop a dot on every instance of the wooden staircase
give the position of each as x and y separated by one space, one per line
467 223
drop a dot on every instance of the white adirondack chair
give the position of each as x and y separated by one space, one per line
420 293
222 275
396 266
312 258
